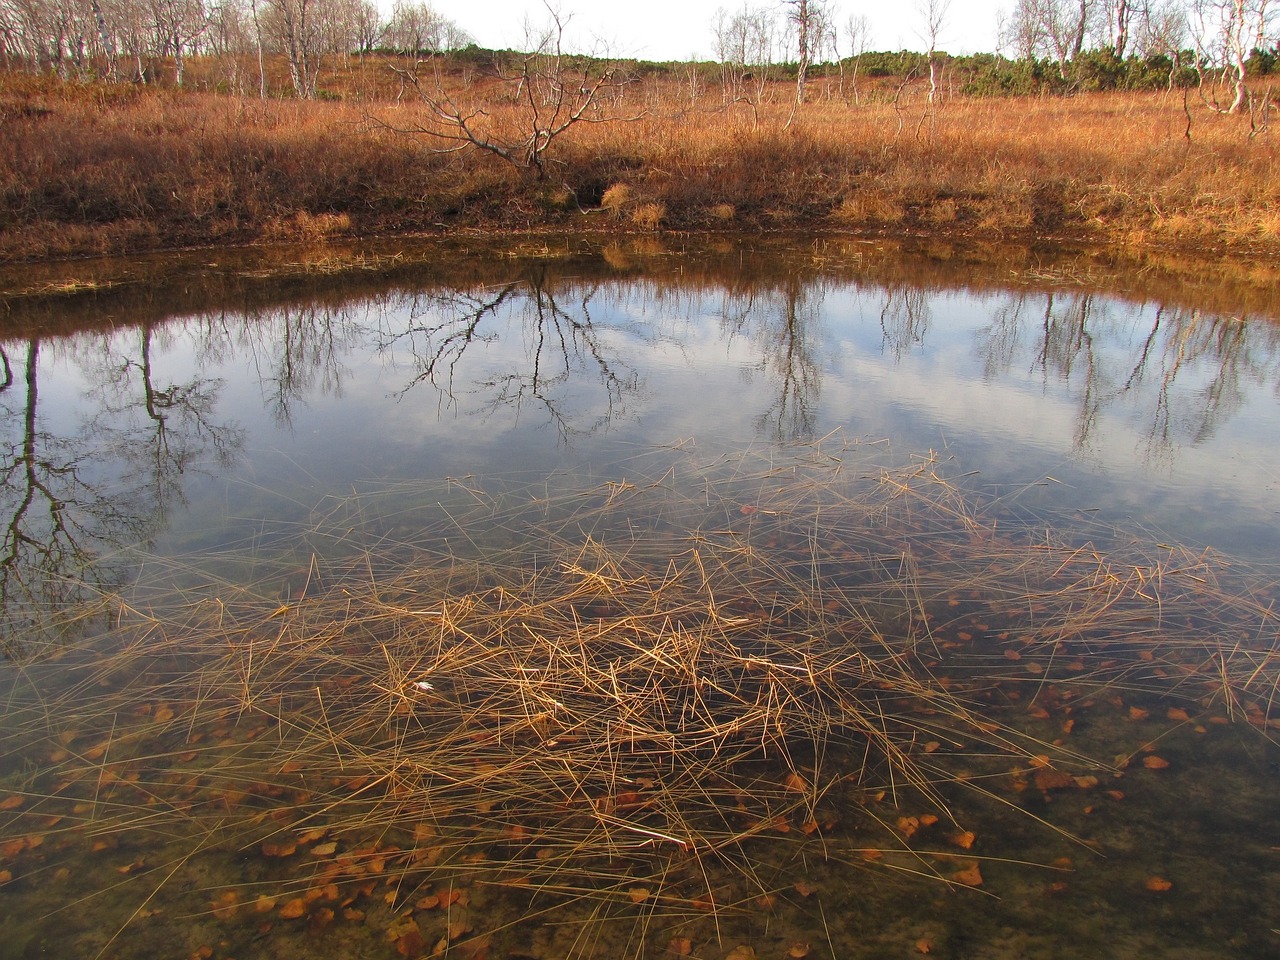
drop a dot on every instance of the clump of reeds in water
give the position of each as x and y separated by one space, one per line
667 690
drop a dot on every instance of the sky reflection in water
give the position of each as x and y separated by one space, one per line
1136 406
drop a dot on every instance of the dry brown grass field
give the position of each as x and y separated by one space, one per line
95 168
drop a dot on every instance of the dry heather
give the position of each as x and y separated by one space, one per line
94 169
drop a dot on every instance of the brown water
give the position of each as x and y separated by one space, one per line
1085 549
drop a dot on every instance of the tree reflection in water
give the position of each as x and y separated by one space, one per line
570 344
73 502
782 324
1184 370
564 349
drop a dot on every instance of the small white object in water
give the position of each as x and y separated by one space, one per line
424 686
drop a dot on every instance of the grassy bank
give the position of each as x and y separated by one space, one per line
92 169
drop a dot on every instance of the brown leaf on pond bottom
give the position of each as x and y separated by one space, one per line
224 906
1158 884
459 922
680 946
796 783
411 944
1047 779
964 839
970 876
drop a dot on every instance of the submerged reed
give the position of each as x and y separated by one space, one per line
663 695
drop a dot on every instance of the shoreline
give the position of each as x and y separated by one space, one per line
88 171
50 298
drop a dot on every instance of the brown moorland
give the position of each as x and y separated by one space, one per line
94 168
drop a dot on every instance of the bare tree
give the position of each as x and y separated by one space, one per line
934 15
178 24
1057 29
551 98
416 29
1161 27
1225 33
295 23
744 45
809 17
858 29
1119 16
1022 33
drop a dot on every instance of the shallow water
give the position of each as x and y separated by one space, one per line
1081 553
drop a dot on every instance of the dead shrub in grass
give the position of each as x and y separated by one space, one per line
941 211
1003 215
722 211
617 198
308 226
870 207
650 216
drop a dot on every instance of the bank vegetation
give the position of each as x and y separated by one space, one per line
394 145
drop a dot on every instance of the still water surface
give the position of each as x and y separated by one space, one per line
220 419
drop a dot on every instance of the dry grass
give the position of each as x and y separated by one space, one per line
104 169
660 694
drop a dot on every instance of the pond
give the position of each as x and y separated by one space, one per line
641 598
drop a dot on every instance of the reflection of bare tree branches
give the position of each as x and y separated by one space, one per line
52 516
69 501
440 329
1187 369
300 348
1224 344
784 323
904 319
157 432
1066 343
999 342
560 342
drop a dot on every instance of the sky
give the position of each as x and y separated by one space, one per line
681 29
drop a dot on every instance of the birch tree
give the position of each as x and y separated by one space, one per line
809 18
1226 33
744 45
297 34
933 14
